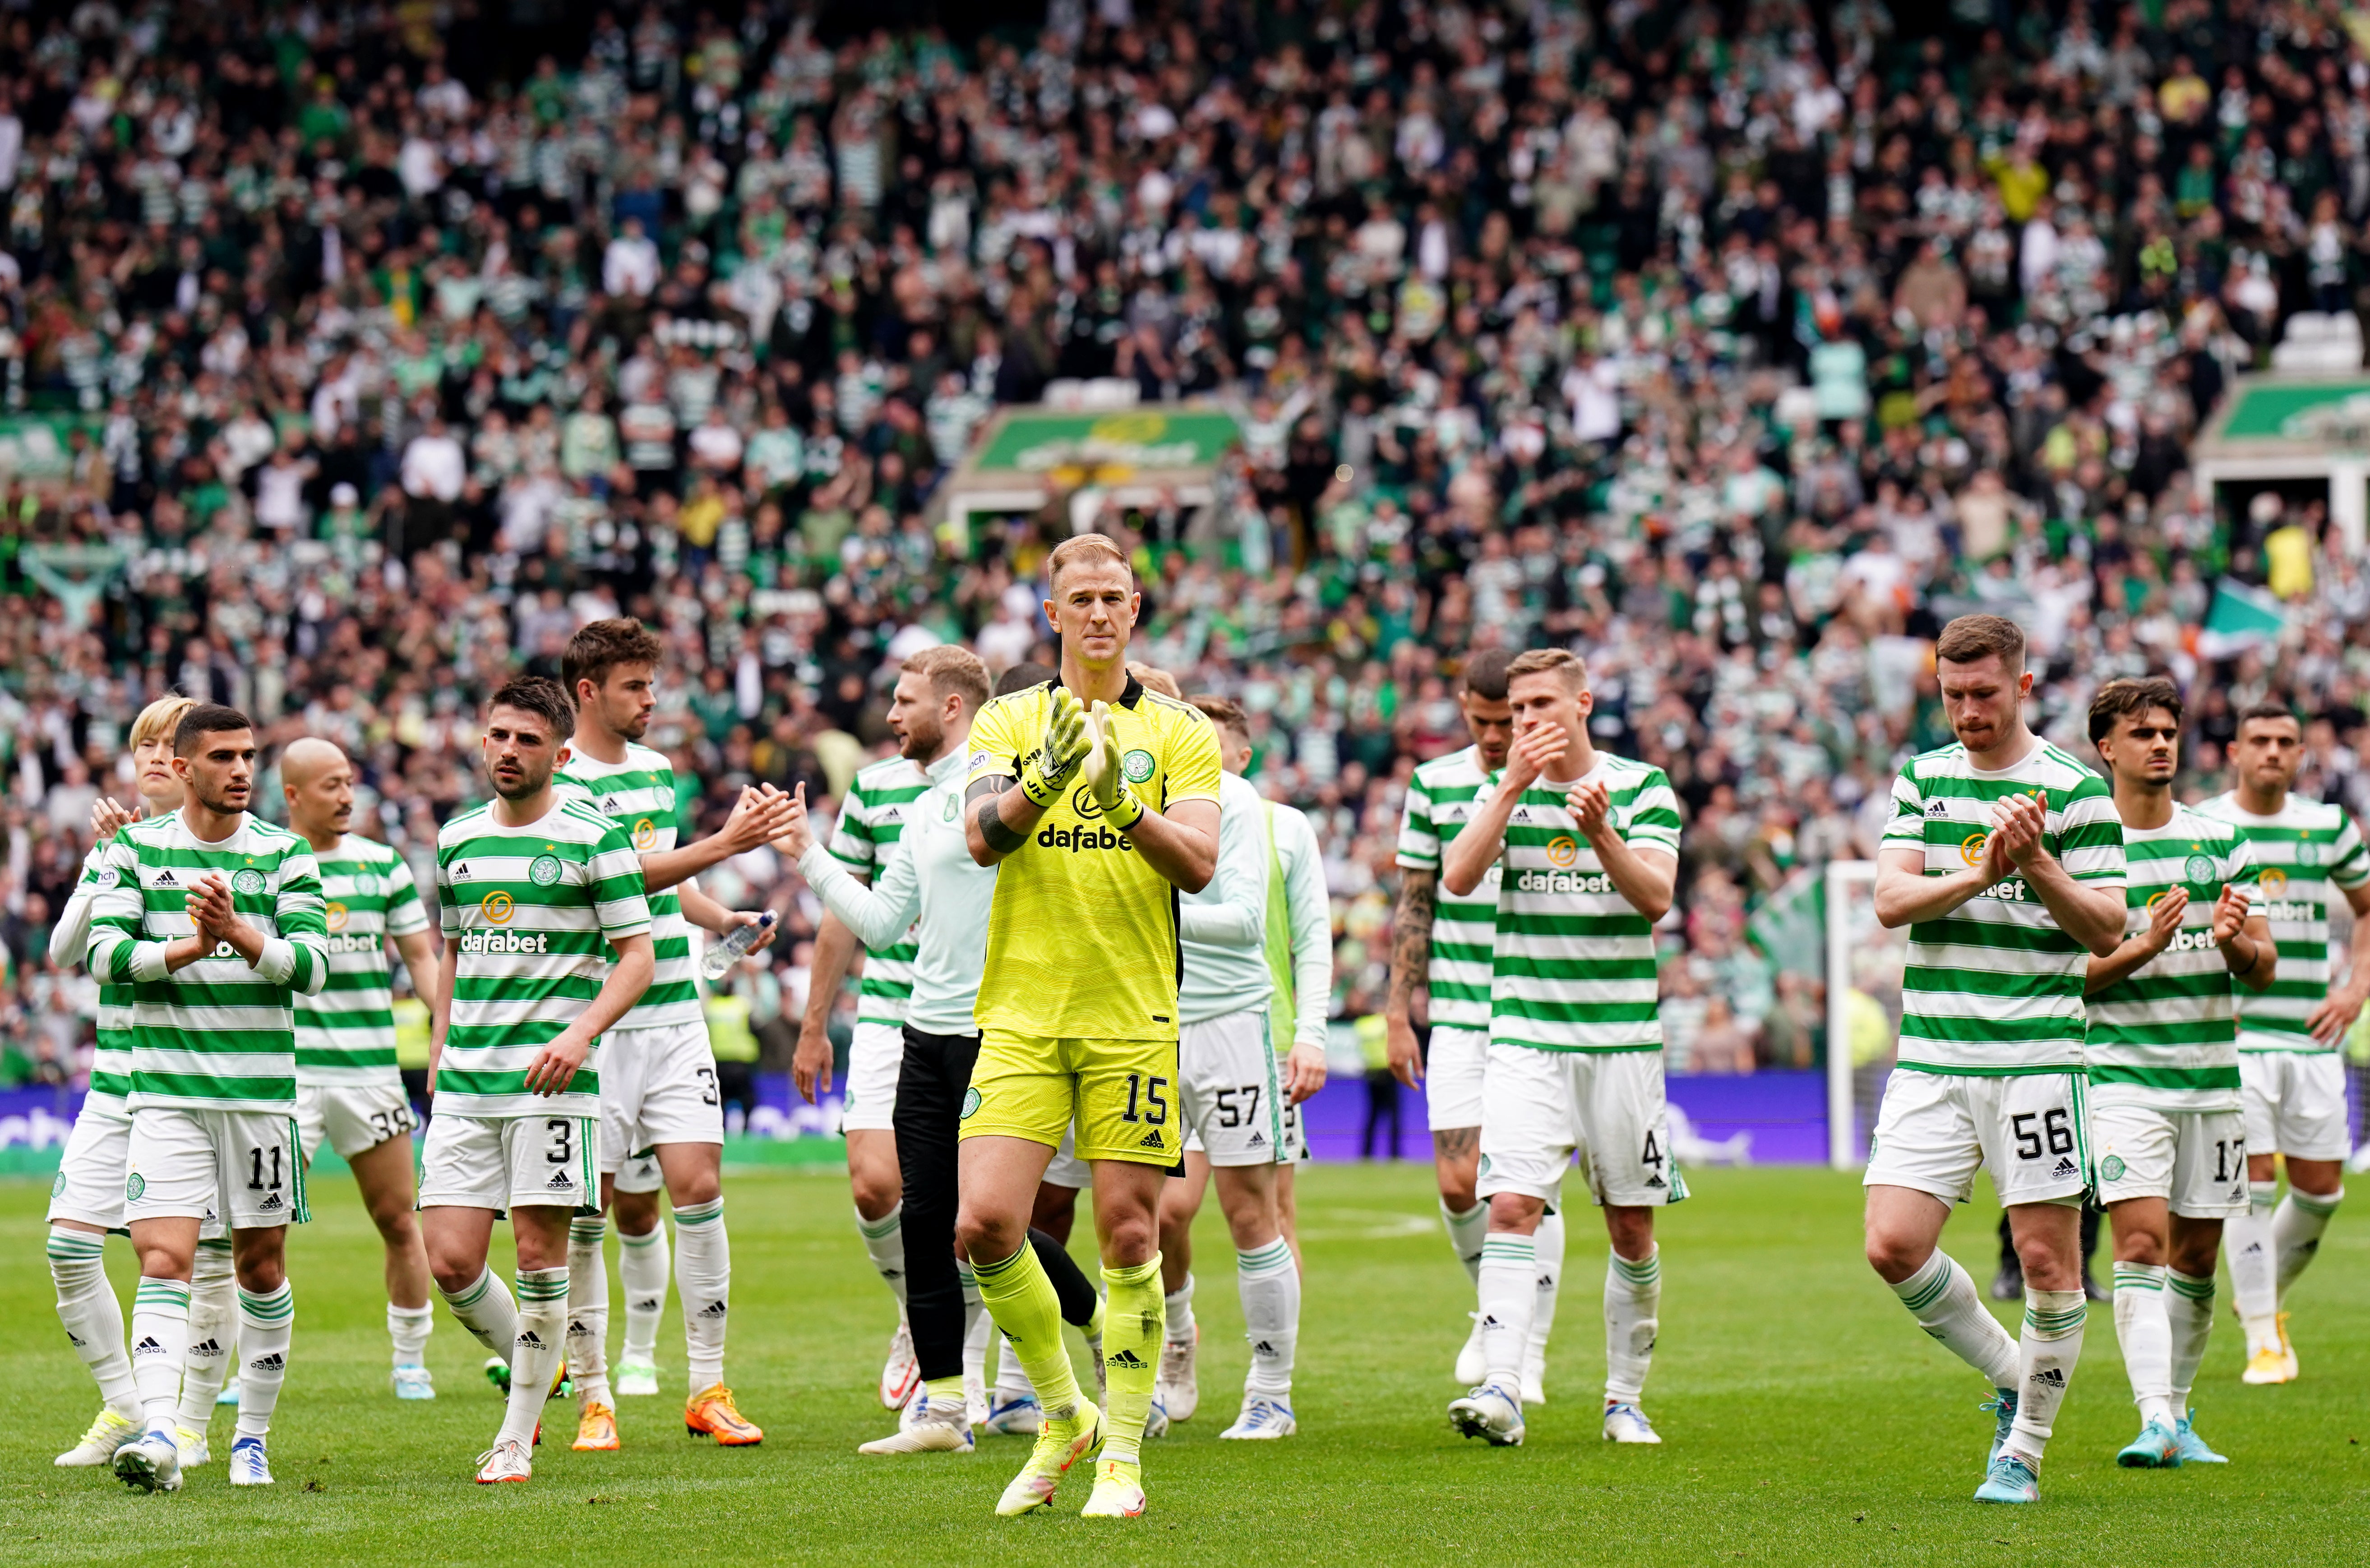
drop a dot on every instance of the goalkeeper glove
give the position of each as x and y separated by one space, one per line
1117 804
1047 772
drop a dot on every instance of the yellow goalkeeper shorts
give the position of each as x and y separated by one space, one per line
1121 1094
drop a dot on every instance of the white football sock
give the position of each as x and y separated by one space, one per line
407 1329
1467 1229
703 1271
1548 1240
642 1269
1943 1298
588 1309
213 1348
1509 1288
93 1317
884 1244
1633 1306
535 1354
2050 1345
160 1340
1269 1282
2143 1329
486 1309
2254 1277
1178 1306
266 1323
2188 1313
1011 1379
979 1332
2297 1226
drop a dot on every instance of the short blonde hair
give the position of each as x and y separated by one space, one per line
1080 548
953 670
1156 680
1545 660
159 719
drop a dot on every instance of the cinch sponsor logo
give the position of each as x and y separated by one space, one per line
1077 841
1564 882
504 942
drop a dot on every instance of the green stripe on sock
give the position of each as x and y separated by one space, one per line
871 1230
161 1293
2321 1204
1930 1292
1645 1270
2189 1285
582 1231
1274 1258
217 1244
277 1306
647 1239
700 1213
75 1244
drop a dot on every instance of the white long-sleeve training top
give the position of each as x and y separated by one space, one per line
931 880
1224 926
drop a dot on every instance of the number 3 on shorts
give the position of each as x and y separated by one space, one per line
563 1141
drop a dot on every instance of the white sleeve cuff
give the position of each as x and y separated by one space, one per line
278 961
148 961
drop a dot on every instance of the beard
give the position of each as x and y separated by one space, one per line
219 808
922 741
527 784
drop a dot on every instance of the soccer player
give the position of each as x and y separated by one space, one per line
658 1079
1441 945
872 822
934 890
2005 858
1101 800
87 1201
213 916
534 890
1588 844
2163 1056
1234 1102
348 1089
2292 1082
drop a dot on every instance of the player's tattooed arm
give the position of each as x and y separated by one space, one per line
991 818
1411 967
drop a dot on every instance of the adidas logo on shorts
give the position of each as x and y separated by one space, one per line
1258 1141
2066 1168
561 1182
270 1202
1149 1141
1654 1180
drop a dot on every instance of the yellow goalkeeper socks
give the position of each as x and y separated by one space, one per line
1019 1296
1133 1326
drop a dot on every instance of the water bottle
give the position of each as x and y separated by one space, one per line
723 954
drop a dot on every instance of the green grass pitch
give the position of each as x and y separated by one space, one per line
1805 1418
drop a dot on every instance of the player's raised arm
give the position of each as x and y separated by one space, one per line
1476 849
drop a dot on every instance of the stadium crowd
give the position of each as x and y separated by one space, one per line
1734 347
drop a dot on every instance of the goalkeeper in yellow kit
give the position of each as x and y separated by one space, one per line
1101 800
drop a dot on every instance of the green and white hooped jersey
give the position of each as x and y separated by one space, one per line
2166 1034
871 821
346 1034
1994 986
531 912
1574 968
216 1035
637 795
1445 794
2299 854
110 1058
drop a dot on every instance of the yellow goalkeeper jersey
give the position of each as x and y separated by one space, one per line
1082 936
